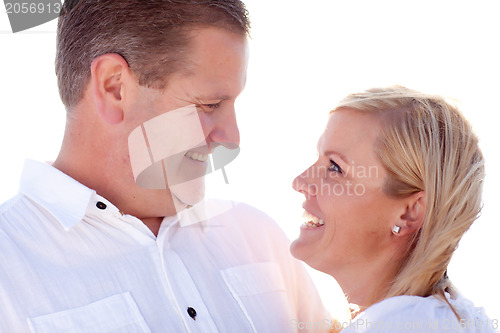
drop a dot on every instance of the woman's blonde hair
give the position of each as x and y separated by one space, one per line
426 145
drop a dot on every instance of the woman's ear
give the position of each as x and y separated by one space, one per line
109 73
413 217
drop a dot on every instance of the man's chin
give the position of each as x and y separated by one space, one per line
188 194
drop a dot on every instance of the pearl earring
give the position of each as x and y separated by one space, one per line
396 229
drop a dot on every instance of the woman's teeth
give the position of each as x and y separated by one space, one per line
312 221
197 156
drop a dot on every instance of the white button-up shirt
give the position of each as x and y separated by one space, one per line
71 262
415 314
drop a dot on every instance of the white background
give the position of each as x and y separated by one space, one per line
304 58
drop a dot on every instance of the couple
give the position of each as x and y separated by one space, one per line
111 238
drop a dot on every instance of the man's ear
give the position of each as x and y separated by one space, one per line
109 73
413 217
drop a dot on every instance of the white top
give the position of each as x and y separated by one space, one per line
71 262
422 314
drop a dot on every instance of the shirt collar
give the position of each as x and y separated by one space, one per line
68 200
65 198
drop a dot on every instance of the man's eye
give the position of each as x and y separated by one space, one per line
211 107
335 167
208 107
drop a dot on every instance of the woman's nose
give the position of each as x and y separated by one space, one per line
303 184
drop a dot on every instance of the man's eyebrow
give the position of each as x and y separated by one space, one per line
214 97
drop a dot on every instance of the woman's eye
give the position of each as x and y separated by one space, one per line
335 167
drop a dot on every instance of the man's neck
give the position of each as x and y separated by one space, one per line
106 170
153 223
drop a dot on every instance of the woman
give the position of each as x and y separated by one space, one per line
397 183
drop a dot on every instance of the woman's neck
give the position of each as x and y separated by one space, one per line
366 285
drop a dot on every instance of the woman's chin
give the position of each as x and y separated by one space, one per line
307 248
295 250
304 250
307 241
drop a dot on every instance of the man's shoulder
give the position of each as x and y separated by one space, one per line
12 226
8 209
6 205
241 214
239 218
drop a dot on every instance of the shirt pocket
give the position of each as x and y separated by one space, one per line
260 292
117 314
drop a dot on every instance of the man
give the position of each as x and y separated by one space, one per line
86 247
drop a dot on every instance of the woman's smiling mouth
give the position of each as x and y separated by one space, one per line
312 221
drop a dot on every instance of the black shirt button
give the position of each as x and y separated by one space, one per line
191 313
101 205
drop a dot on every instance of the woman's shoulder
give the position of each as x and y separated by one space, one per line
422 314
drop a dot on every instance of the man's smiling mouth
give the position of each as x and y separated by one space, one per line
197 156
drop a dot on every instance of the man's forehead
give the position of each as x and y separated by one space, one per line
218 46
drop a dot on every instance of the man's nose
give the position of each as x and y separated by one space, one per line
224 129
